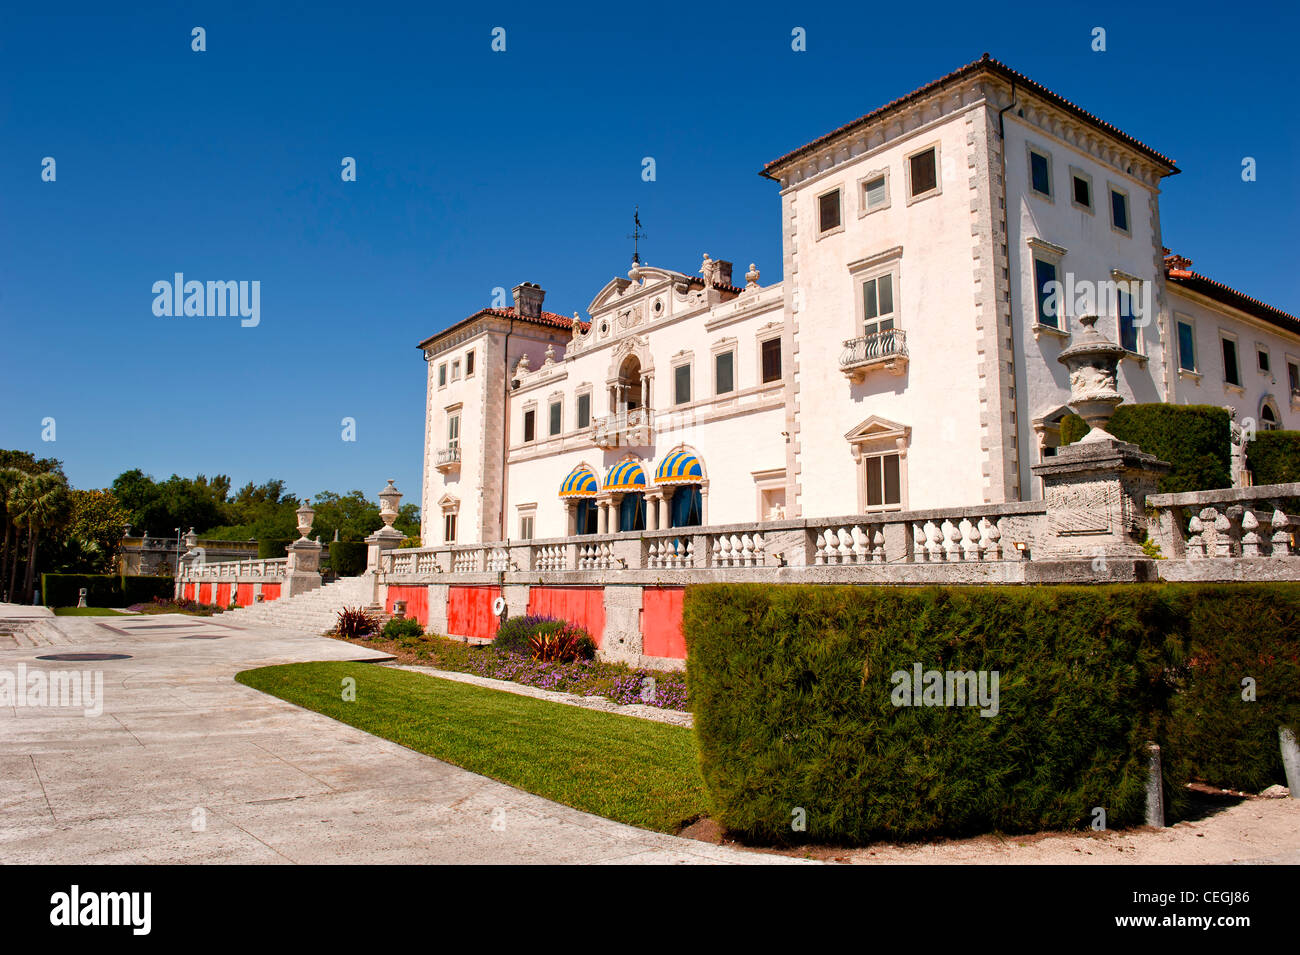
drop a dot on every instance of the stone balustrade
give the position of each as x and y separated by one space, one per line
273 568
1244 524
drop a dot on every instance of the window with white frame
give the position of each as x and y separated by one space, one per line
530 425
1047 294
584 410
527 521
556 417
1293 378
449 525
453 430
1080 189
882 473
769 358
1119 211
442 375
829 214
1261 359
724 372
1268 417
469 363
1128 320
455 370
873 192
682 384
922 168
1186 345
1040 172
878 308
1231 365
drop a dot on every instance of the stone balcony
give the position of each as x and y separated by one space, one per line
887 350
447 459
626 429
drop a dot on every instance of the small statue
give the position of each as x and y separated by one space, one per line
708 269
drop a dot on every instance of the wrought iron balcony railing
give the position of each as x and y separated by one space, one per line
444 459
885 349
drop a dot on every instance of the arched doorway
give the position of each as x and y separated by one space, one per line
628 395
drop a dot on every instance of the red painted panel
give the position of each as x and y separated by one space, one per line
223 595
417 602
469 612
244 595
205 593
584 606
270 592
661 622
189 591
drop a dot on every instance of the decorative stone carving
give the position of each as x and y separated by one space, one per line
708 270
751 277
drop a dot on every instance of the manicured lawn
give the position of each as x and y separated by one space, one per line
87 612
634 771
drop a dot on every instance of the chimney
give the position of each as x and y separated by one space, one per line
528 300
721 272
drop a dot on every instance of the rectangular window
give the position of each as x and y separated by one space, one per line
555 417
1128 333
883 484
878 303
469 364
828 211
1119 210
875 193
771 351
455 371
584 411
1040 173
442 374
724 372
449 527
1186 347
1262 359
526 527
1231 371
924 173
1082 191
530 425
682 384
1049 305
453 431
1293 373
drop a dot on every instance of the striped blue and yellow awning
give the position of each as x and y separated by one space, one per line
581 482
680 467
628 476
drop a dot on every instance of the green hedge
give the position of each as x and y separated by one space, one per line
347 558
792 685
1274 457
272 548
1213 734
103 590
1195 439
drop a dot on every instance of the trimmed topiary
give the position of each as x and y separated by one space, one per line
1274 457
1195 439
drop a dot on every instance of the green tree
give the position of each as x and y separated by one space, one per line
42 505
92 539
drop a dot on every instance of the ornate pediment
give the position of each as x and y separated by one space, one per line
877 428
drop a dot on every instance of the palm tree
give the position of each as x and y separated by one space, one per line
10 478
43 504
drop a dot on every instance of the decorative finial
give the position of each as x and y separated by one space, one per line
751 277
636 236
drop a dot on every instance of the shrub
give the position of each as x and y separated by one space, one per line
1274 457
356 622
1235 632
347 558
562 643
513 633
1195 439
400 627
272 548
103 590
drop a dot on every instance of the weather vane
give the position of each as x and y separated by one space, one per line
636 236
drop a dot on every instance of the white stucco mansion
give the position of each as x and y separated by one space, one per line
937 254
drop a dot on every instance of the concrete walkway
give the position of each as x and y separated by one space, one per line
184 765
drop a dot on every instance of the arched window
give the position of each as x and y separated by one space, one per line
687 507
1268 420
631 512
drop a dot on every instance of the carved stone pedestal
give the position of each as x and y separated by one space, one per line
1096 499
302 570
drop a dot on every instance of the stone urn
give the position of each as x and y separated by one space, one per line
305 517
389 498
1093 361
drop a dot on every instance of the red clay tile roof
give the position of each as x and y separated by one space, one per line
1194 281
988 65
551 319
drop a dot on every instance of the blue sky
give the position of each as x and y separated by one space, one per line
479 169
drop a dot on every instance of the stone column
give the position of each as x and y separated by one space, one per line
653 502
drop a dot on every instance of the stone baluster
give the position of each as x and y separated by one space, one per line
1254 537
1195 538
918 542
951 536
933 542
1227 530
970 545
878 547
1281 534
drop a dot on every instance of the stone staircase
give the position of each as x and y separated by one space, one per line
314 612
